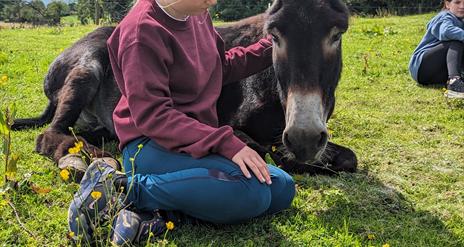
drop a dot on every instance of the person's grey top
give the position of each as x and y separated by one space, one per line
443 27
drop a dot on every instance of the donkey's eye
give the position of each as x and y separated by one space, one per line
337 37
275 38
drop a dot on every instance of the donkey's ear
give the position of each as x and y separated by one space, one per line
339 6
276 6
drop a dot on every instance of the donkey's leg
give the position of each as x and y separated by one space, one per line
260 149
251 143
78 90
294 167
97 137
339 158
55 145
335 159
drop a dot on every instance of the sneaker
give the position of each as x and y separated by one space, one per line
133 228
76 166
455 88
96 201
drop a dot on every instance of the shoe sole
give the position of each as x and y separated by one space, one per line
454 95
75 165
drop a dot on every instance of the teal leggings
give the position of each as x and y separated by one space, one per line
212 188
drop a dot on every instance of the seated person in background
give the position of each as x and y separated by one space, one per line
438 57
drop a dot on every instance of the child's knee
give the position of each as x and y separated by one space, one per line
252 201
282 181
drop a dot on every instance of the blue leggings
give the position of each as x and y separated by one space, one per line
212 188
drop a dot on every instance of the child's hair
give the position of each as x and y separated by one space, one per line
444 4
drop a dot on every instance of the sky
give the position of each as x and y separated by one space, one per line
66 1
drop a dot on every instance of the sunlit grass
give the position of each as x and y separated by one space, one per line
409 141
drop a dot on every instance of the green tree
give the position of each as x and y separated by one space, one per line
114 11
55 10
110 10
38 11
72 8
230 10
401 7
12 10
85 10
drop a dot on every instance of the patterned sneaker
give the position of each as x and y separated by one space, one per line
96 201
75 166
132 228
455 88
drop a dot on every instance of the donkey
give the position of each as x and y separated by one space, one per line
288 105
282 111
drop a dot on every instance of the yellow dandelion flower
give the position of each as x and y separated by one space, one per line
71 234
64 174
386 245
274 149
73 150
79 144
370 236
4 78
140 146
3 203
330 132
96 195
170 225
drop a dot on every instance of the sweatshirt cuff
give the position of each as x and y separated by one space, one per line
231 147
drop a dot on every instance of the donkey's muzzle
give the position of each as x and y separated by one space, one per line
306 145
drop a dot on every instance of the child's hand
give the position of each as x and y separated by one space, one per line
248 158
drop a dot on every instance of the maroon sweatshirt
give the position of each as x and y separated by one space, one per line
170 74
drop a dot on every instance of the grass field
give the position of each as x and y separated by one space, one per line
409 190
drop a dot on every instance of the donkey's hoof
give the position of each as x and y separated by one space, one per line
345 161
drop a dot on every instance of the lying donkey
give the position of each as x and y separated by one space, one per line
282 111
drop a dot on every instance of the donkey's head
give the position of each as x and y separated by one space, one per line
307 57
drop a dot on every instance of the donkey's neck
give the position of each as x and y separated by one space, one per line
244 32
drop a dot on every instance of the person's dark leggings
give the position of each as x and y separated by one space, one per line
211 188
441 62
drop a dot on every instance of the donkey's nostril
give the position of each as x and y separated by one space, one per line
322 140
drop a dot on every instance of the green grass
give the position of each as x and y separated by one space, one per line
409 190
70 20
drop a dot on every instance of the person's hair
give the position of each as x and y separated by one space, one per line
444 4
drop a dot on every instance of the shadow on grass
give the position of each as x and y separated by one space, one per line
366 206
432 86
345 210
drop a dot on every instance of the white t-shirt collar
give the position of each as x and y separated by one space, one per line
177 19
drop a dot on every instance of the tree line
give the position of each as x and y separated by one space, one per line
230 10
112 11
36 12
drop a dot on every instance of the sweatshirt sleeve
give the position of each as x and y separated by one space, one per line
240 62
447 30
149 98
